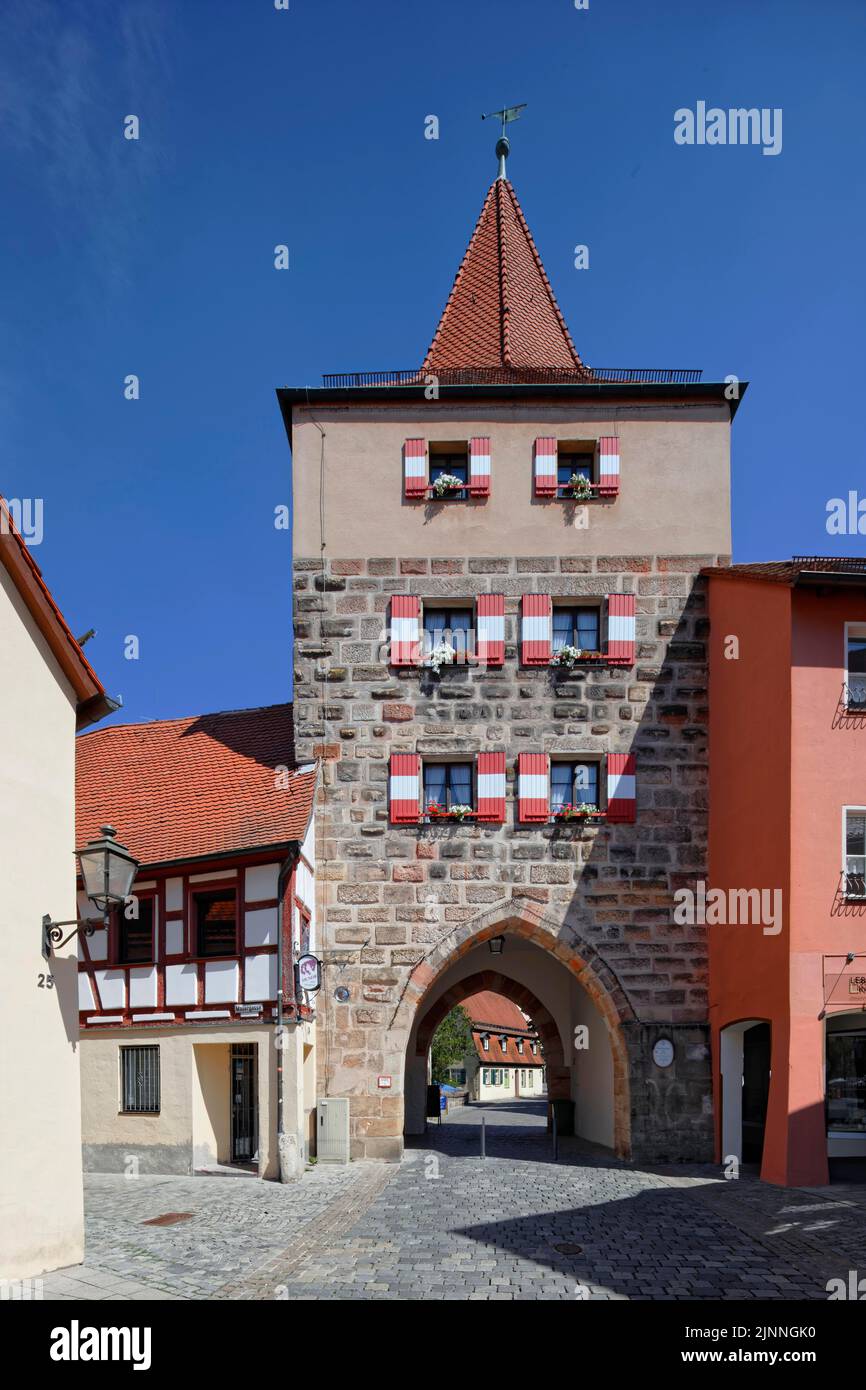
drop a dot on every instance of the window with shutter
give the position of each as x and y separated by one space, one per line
532 787
415 468
479 467
404 787
405 646
608 466
621 787
490 629
491 787
621 628
545 467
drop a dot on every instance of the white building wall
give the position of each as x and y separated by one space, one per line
41 1200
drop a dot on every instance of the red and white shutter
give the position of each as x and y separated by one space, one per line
533 787
490 624
545 467
415 467
479 467
405 787
491 787
608 465
405 630
536 629
621 790
621 628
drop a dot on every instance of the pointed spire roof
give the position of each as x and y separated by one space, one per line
501 312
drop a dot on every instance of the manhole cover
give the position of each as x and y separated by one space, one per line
567 1249
169 1218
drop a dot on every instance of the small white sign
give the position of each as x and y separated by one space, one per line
663 1052
384 1083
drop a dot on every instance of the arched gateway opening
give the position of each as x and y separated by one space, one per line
577 1010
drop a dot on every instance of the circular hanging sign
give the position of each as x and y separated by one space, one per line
341 993
309 973
663 1052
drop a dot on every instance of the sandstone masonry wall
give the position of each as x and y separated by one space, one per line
388 894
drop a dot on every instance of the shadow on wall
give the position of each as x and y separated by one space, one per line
618 918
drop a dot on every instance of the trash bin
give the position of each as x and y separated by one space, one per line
563 1110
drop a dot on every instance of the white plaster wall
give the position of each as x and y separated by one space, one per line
182 1119
674 496
41 1200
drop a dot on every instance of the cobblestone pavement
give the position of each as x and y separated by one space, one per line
446 1224
237 1226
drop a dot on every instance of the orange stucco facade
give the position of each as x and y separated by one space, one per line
784 763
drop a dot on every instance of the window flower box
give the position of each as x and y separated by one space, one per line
446 484
568 657
578 488
436 811
582 811
443 654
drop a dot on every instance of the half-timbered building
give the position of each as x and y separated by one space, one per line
197 1042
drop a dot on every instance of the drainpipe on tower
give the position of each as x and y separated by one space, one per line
289 1172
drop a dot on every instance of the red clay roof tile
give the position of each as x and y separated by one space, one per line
501 311
179 789
491 1013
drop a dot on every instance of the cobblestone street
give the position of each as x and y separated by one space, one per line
446 1224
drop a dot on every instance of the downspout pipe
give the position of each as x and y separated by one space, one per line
286 868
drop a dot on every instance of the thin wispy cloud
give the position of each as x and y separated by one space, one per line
69 74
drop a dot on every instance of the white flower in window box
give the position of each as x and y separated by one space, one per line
437 811
579 487
580 810
445 483
566 656
443 654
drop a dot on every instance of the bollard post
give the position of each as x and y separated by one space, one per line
483 1139
555 1140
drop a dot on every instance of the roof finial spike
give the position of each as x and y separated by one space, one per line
503 148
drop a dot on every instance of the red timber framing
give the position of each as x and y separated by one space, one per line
204 875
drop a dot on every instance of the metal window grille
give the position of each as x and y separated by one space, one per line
139 1079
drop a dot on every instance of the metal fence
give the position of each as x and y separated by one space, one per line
501 376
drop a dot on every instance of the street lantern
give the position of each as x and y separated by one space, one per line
108 870
497 945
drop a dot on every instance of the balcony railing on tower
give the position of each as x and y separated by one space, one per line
519 376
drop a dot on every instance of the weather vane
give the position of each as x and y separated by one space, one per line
508 113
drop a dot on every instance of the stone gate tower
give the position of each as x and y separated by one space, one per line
500 662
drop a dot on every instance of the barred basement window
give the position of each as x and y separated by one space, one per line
139 1080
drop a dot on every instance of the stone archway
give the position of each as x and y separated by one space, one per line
580 959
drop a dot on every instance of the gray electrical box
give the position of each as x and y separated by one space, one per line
332 1131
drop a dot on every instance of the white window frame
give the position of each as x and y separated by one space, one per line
851 630
857 811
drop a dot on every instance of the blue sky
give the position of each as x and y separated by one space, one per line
306 127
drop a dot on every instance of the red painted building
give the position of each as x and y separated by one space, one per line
197 1046
787 932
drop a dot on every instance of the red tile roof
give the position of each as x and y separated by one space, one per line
494 1014
179 789
501 311
789 571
